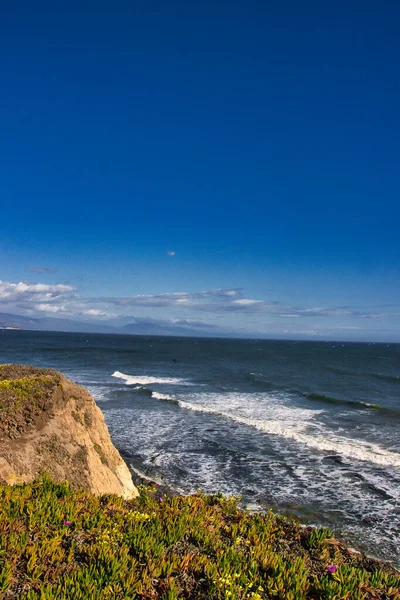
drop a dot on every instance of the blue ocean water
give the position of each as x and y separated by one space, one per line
309 428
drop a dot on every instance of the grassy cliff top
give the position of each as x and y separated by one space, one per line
56 544
25 394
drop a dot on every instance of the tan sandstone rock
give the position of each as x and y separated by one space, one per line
50 424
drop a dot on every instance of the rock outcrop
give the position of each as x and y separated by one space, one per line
50 424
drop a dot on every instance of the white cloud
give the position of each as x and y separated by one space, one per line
171 252
194 299
246 302
65 300
382 315
231 293
325 312
48 308
94 312
31 291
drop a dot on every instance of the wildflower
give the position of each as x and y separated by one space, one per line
160 499
67 523
138 516
332 568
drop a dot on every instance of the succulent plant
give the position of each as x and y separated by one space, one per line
58 543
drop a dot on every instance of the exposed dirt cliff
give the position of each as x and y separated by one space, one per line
50 424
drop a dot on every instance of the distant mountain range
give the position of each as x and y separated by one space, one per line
50 324
139 327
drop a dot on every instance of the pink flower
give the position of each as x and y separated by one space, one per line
160 499
67 523
61 500
332 568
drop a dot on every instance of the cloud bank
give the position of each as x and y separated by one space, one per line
181 308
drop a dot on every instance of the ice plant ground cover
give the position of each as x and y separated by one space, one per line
58 543
25 393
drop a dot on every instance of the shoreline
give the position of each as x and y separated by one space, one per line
161 489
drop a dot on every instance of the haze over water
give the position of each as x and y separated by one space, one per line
309 428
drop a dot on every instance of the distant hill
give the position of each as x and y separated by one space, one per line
52 324
7 320
140 327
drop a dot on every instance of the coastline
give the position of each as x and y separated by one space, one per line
159 490
204 451
66 538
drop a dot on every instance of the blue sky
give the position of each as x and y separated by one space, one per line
242 154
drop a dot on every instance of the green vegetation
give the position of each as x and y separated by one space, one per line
56 543
25 394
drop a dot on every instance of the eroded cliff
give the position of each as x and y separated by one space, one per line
50 424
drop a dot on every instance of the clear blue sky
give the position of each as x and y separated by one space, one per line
257 141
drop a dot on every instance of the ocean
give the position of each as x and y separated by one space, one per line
311 429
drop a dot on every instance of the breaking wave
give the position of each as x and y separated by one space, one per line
358 450
160 396
145 380
290 423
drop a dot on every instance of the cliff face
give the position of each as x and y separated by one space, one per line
50 424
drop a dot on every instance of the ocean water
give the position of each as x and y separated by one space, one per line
309 428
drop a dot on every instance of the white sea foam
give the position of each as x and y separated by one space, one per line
160 396
146 477
145 380
270 414
98 393
273 471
